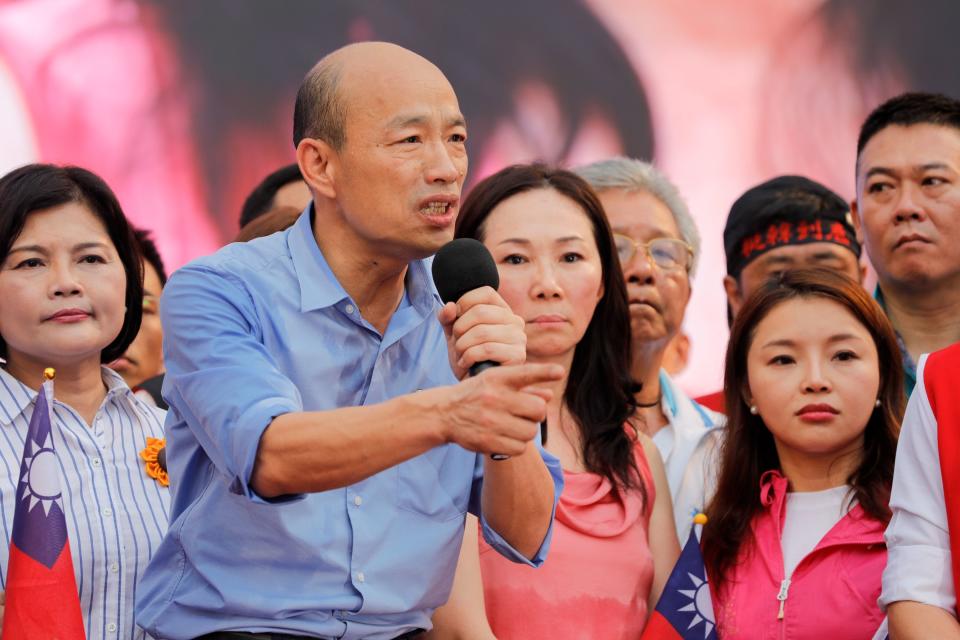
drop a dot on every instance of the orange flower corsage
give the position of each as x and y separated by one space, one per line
155 456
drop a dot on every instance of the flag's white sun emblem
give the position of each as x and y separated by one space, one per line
700 604
41 477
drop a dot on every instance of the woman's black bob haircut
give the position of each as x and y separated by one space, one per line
36 187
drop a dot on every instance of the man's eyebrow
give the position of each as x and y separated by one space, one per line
778 260
406 120
401 121
929 166
825 255
941 166
874 171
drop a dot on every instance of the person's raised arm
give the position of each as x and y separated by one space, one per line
249 419
316 451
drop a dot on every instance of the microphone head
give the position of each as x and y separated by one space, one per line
463 265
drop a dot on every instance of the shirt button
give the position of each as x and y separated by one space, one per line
349 308
114 567
360 576
357 500
107 512
95 462
112 628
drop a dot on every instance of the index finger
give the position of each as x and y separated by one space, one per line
522 375
483 295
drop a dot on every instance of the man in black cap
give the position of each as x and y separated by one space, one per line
785 223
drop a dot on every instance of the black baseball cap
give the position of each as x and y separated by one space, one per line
787 210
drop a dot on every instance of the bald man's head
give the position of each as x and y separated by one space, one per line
320 110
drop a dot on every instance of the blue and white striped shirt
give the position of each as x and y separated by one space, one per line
116 514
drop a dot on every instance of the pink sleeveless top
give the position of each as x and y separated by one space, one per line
597 575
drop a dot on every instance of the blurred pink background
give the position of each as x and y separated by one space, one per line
183 106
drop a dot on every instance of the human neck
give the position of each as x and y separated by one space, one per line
927 320
373 280
645 371
79 385
808 472
564 439
558 388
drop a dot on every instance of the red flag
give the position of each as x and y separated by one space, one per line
42 599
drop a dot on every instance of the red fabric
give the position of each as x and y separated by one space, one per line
41 602
713 401
833 591
658 628
941 376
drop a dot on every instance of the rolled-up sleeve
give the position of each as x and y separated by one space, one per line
918 540
220 380
493 538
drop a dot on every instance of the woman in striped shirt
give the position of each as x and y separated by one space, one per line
71 285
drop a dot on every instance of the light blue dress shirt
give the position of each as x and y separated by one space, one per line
257 330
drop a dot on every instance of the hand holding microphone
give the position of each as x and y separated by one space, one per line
482 332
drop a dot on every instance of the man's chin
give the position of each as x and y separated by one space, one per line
916 276
643 330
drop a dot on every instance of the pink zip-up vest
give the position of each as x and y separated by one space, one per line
833 591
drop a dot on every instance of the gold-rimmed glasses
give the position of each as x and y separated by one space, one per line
667 253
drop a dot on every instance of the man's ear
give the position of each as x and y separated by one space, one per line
734 295
855 218
317 161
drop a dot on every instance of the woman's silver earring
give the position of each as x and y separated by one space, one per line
753 409
877 403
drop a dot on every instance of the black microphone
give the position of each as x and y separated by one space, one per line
460 266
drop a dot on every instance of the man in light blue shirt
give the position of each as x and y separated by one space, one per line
322 453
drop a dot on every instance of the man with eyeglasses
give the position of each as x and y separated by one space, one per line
658 245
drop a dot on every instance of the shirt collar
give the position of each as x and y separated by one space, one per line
909 366
669 397
319 287
15 396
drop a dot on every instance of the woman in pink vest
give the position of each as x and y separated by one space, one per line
794 545
613 540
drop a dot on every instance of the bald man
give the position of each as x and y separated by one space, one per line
325 441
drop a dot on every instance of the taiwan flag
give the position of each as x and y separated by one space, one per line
685 609
41 593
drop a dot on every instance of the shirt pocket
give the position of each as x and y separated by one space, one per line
436 484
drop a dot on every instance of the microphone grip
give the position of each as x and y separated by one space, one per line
475 370
480 367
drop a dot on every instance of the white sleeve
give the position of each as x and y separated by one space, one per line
918 541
